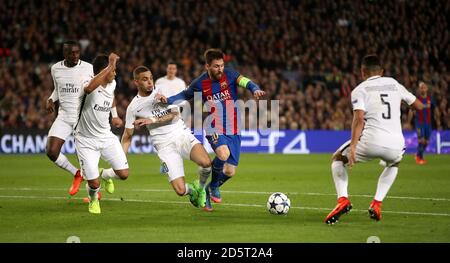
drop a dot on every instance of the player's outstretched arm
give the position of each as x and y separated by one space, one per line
157 120
418 105
100 78
357 127
249 84
126 139
186 94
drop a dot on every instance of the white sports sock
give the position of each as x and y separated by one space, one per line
109 174
188 189
64 163
93 193
385 182
340 178
203 174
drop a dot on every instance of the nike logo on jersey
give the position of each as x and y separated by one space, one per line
139 109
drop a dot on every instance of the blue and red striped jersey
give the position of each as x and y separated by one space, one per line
423 117
219 97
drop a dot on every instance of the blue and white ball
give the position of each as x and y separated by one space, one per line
278 204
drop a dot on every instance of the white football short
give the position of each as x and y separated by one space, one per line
172 153
89 151
366 152
60 129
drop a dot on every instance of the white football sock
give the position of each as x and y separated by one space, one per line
64 163
93 193
109 174
340 178
203 174
385 182
188 189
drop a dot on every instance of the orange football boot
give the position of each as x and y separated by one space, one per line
343 206
375 210
77 179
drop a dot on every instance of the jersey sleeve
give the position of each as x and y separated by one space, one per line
232 74
54 96
129 118
357 98
405 95
186 94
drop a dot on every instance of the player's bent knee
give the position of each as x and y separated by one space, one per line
205 163
339 157
94 184
223 153
180 189
397 164
229 172
123 174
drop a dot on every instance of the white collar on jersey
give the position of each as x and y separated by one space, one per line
374 77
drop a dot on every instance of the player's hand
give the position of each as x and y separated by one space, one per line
117 122
352 157
113 58
142 122
161 98
259 94
50 106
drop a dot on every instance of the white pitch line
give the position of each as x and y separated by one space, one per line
236 192
226 204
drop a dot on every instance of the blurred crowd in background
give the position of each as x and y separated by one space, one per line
306 54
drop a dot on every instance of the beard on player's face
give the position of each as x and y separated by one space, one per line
215 74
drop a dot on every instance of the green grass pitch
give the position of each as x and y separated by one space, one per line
35 205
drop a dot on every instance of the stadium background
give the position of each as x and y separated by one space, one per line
304 53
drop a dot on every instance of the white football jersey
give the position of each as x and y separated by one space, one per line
94 112
67 84
171 87
380 99
147 107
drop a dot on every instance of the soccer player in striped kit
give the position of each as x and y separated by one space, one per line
423 121
218 86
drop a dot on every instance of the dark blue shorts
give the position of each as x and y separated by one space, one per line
232 141
423 131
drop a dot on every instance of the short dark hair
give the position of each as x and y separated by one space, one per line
371 63
100 62
72 43
138 70
212 54
172 62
